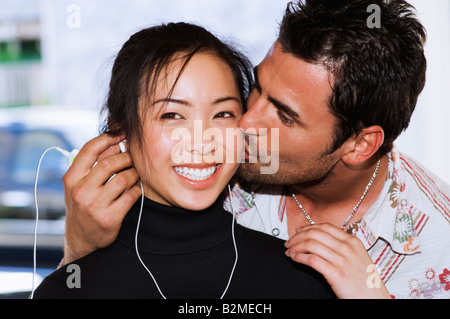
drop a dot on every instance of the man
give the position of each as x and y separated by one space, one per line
340 91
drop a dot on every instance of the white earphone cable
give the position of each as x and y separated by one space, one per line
136 244
234 243
71 156
148 270
37 218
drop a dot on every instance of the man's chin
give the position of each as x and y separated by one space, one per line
250 173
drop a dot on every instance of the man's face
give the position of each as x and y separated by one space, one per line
293 96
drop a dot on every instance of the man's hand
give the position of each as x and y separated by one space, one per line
95 210
341 258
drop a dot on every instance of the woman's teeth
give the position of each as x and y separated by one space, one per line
196 174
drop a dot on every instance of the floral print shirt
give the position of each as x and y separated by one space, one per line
406 231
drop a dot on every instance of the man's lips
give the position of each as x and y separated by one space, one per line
248 153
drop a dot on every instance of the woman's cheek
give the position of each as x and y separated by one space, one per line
179 144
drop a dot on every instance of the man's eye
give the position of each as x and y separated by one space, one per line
285 120
224 115
170 116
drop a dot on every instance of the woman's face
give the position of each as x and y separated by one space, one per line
191 141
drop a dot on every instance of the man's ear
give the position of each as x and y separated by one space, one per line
363 146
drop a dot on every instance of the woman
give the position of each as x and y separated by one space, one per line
175 90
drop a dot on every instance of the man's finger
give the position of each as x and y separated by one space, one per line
125 201
106 168
120 184
90 153
112 150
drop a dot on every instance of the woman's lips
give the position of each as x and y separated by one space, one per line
198 176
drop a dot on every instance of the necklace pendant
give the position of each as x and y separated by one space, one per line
354 209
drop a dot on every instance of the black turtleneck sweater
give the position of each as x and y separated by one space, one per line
191 255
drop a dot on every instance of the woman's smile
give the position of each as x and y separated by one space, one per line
198 176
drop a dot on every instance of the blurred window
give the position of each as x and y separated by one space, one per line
20 50
6 145
30 49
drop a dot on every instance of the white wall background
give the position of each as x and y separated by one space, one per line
77 61
428 137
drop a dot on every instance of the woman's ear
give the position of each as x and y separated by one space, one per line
113 126
364 145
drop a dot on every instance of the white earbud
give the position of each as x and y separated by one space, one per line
122 146
70 156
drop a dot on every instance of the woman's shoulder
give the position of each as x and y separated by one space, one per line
94 268
264 266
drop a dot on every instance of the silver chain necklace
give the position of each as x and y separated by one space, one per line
354 209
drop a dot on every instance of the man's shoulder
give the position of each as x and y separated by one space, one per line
422 175
415 184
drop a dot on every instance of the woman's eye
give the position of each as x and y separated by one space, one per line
224 115
171 116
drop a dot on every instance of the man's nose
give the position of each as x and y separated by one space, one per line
255 117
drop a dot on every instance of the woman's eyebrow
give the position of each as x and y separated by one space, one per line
226 99
187 103
171 100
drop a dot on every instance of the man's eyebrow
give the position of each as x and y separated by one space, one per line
278 104
284 108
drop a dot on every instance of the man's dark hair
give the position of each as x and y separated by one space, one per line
378 73
141 63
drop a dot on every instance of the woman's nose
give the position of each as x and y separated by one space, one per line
203 142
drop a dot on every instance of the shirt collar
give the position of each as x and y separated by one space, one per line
391 217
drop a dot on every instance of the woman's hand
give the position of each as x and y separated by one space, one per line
341 258
95 207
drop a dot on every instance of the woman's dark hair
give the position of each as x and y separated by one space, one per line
145 55
378 73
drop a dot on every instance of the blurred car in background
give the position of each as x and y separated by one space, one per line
25 133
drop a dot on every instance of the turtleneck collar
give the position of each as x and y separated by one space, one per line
168 230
